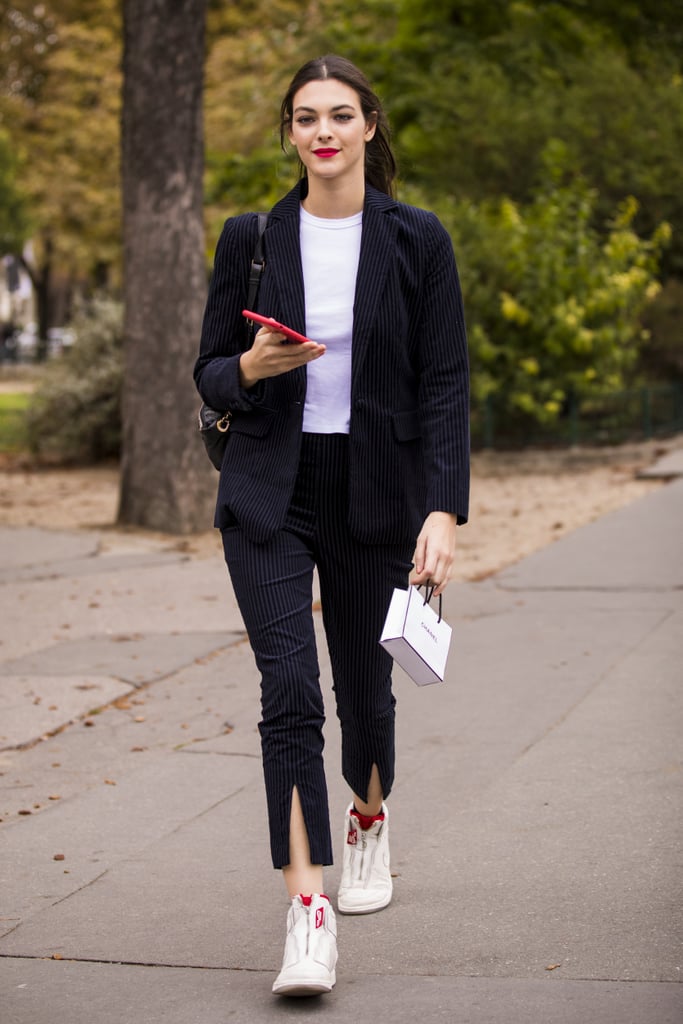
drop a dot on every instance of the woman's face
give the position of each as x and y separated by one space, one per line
329 130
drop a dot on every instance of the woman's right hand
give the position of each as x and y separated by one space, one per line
271 355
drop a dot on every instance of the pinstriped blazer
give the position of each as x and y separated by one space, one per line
409 432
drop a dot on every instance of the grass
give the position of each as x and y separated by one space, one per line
13 406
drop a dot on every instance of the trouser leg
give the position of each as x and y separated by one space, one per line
353 615
273 586
356 583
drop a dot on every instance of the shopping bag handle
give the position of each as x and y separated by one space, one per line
428 595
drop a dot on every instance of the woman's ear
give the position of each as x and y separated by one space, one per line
371 126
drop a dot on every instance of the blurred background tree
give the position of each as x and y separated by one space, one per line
60 98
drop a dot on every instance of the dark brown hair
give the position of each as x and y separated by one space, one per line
380 165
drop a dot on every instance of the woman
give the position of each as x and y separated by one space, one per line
348 453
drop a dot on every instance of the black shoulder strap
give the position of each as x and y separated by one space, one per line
258 262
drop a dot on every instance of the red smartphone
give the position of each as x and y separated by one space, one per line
268 321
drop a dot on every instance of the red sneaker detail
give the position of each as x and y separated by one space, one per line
320 917
366 821
307 900
352 837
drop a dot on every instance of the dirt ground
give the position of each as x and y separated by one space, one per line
521 501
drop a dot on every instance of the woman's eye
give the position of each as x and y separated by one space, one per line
344 117
304 120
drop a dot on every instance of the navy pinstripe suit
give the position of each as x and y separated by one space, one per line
407 454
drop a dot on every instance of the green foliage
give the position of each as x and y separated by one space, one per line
13 215
476 90
12 421
60 102
553 304
75 412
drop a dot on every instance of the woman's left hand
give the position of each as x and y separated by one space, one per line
435 552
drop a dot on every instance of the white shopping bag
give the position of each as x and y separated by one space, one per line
416 636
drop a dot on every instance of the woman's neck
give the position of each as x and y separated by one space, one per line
332 200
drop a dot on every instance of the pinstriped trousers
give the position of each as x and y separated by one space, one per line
273 584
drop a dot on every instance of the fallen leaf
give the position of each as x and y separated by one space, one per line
55 797
88 722
24 811
59 856
139 718
56 956
109 782
553 967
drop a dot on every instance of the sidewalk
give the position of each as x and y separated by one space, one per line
536 817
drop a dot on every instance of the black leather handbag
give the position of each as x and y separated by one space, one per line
214 425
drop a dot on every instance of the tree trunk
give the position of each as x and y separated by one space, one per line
167 483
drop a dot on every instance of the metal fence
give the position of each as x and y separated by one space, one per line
638 414
635 415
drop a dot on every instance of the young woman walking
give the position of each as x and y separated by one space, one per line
348 453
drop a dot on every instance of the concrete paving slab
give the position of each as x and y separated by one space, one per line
638 547
183 597
137 658
466 753
535 838
30 546
36 706
91 566
43 991
114 821
572 857
48 689
668 467
190 710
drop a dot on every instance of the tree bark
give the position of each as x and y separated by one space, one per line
167 483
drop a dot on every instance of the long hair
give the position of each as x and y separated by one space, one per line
380 164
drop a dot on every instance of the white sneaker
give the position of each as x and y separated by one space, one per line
308 966
366 883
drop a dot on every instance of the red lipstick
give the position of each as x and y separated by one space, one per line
325 153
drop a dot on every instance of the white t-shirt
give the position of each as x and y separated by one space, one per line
329 255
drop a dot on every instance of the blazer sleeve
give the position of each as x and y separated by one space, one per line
224 333
443 394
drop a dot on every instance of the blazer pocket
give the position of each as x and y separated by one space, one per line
406 425
253 424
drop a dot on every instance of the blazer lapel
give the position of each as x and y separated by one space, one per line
376 252
283 262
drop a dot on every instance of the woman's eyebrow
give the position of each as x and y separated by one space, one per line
312 110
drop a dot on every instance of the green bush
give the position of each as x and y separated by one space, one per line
553 300
75 411
13 421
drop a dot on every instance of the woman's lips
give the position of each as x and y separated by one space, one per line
325 153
